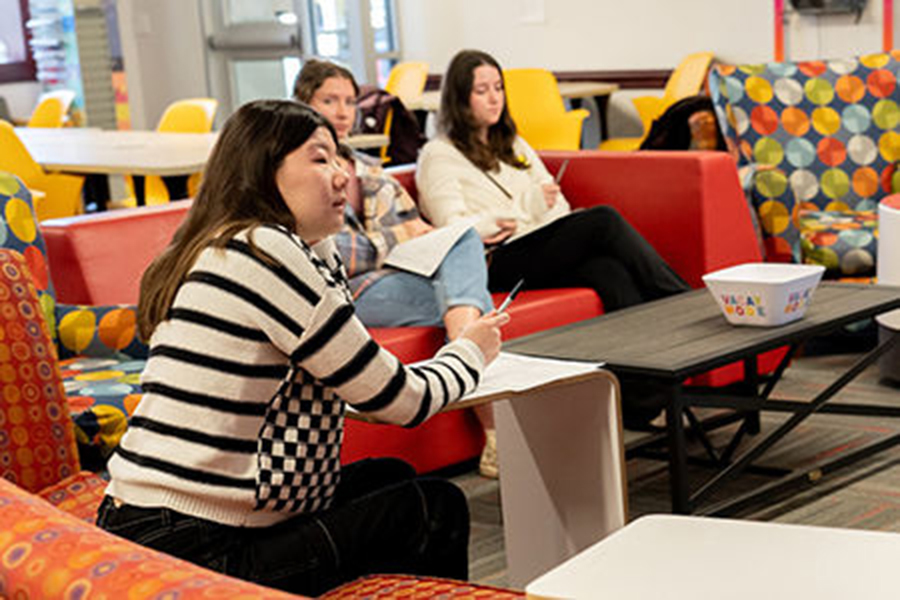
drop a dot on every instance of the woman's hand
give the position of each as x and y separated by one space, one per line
507 228
551 192
485 332
417 227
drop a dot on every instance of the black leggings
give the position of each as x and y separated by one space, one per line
384 519
594 248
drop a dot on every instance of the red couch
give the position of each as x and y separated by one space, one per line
689 205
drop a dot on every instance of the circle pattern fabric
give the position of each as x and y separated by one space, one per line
835 121
37 441
101 410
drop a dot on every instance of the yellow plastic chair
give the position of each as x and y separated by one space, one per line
686 80
537 107
407 80
61 194
51 109
193 115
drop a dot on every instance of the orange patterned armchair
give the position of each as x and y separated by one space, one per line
49 547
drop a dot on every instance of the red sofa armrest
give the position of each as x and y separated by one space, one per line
688 205
99 258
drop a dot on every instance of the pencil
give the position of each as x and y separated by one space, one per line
512 295
561 172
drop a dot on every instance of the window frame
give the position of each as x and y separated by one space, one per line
24 70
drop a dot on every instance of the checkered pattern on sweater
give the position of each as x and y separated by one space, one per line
300 448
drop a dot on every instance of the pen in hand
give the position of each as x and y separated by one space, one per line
512 295
561 172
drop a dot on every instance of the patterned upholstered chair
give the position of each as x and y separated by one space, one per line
822 142
100 355
37 439
46 553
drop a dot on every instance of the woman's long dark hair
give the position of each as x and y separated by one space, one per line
238 191
458 124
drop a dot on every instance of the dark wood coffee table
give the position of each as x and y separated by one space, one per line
670 340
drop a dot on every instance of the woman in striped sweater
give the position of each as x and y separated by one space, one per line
232 459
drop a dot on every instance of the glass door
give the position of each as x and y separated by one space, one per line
254 49
361 34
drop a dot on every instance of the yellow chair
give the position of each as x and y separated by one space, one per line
686 80
193 115
61 193
537 107
51 109
407 80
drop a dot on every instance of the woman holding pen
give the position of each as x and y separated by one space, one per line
480 167
379 215
232 459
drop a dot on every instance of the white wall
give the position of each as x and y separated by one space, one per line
20 97
571 35
584 35
163 49
635 34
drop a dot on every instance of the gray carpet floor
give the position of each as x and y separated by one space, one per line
865 495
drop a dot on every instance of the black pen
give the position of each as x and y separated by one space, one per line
512 296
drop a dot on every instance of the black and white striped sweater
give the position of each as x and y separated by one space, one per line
212 436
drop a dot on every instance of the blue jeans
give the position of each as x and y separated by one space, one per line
401 299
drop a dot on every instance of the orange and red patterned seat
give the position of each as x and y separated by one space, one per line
37 439
47 553
101 355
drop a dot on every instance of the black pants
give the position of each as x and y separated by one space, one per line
383 520
593 248
599 249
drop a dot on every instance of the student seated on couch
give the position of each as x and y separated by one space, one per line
381 214
232 458
480 167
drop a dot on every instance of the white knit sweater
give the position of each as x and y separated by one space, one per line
209 438
452 188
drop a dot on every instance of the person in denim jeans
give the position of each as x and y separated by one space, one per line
232 459
380 214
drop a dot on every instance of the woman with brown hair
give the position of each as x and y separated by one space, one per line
232 458
380 214
480 167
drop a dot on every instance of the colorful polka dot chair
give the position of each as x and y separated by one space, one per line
46 553
101 357
822 138
37 438
382 587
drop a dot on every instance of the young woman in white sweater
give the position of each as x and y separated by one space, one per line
479 166
232 458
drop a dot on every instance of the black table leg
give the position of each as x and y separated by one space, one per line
96 192
177 185
681 503
138 181
798 416
602 104
751 382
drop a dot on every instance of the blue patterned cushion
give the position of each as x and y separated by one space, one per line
845 243
825 131
105 357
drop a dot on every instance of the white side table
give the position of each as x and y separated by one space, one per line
888 270
702 558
